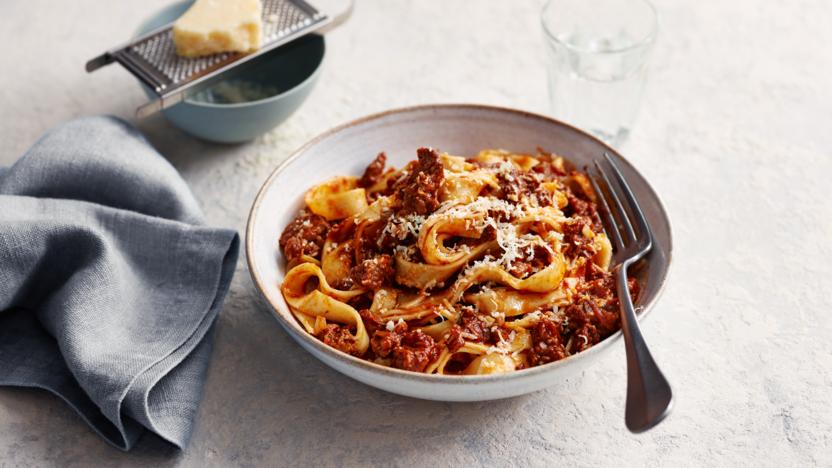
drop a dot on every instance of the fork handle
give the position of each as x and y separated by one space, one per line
649 396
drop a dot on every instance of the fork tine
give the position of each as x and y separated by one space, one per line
618 243
638 214
625 219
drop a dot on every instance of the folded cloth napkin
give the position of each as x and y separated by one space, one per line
109 281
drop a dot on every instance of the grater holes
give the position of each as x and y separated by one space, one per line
288 18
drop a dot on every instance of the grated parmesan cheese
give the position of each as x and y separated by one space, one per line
504 167
406 251
503 346
399 227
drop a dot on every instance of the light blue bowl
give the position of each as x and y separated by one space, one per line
290 70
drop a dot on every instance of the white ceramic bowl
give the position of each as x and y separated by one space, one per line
457 129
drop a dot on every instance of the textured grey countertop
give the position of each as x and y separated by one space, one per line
735 134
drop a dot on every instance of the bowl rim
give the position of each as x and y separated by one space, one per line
142 28
293 328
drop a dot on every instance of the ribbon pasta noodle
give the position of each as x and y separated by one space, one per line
453 265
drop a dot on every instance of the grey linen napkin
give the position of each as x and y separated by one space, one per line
109 281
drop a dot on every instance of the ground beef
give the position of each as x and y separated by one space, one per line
546 169
500 333
454 340
393 233
372 273
574 241
544 197
415 352
528 264
578 206
585 337
598 305
384 342
419 190
474 327
372 323
373 172
342 231
339 337
601 289
547 343
635 289
593 272
521 268
588 323
410 350
305 235
458 363
516 184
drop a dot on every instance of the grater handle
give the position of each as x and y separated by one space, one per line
109 57
98 62
156 105
149 108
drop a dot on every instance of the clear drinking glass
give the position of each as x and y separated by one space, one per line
597 62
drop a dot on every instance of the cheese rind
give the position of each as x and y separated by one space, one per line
214 26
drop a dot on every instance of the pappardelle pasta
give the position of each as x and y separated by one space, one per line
453 265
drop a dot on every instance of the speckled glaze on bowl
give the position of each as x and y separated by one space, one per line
457 129
293 69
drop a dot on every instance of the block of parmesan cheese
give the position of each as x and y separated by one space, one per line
214 26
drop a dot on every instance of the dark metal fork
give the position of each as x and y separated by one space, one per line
649 397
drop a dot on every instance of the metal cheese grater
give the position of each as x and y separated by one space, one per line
152 58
